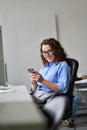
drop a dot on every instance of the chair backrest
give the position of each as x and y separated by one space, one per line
73 63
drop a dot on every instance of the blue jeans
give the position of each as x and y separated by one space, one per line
77 100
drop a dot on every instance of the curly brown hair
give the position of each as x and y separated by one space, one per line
58 50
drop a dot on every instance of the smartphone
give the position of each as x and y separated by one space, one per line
31 70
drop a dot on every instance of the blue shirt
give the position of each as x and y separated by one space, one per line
58 73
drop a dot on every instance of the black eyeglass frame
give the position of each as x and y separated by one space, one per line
49 52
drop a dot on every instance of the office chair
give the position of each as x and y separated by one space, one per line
60 107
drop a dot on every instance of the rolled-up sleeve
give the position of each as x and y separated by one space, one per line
64 74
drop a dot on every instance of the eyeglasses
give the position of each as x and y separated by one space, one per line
49 52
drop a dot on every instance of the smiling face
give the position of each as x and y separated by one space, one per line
47 53
52 51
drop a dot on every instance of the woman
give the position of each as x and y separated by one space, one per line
54 75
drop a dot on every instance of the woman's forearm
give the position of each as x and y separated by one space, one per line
50 85
34 86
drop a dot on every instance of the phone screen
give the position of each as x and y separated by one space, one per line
31 70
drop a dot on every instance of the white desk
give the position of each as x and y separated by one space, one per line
83 81
15 94
81 90
18 111
81 85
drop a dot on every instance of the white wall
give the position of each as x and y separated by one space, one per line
25 23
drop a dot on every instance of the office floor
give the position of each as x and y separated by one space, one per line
81 123
81 120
